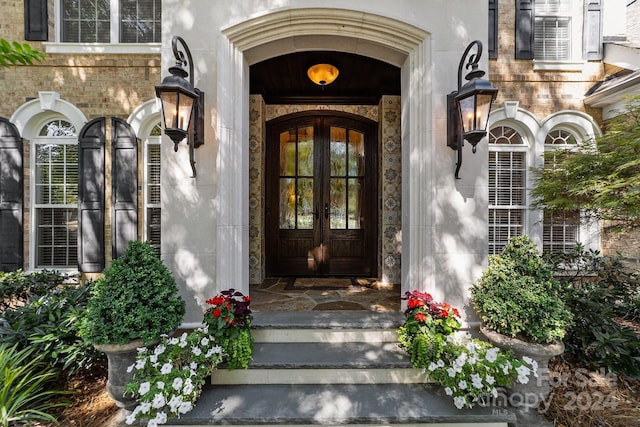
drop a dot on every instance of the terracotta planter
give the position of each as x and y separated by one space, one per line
525 398
120 357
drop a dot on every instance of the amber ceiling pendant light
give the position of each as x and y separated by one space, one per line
322 74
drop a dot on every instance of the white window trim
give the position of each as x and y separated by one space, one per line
526 148
533 132
149 140
575 63
571 66
103 48
57 46
33 228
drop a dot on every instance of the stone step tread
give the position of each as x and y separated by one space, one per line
384 404
329 355
326 320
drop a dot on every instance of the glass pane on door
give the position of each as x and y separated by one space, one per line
347 173
296 179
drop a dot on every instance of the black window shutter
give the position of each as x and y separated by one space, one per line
592 39
124 196
525 11
36 25
493 29
91 196
11 197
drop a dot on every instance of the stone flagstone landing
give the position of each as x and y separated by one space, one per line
358 294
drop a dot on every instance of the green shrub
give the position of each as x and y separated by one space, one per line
518 297
25 396
137 298
19 288
46 318
598 290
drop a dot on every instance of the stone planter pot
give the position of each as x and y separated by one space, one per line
120 357
525 398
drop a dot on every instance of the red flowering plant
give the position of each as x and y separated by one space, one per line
468 369
229 321
426 326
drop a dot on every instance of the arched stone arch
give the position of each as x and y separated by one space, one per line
346 30
145 117
32 115
580 124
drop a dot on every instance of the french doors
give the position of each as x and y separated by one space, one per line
321 196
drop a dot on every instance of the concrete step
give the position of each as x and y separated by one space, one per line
326 326
335 405
324 363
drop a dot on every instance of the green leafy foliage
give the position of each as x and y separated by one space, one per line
168 379
468 369
18 54
427 324
602 178
229 321
43 313
598 290
137 298
25 393
18 288
518 297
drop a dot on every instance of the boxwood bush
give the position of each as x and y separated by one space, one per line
518 297
137 298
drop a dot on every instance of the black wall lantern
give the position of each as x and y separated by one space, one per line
182 103
468 108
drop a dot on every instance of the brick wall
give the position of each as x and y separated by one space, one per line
541 92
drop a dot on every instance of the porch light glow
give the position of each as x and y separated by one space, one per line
323 74
182 103
468 108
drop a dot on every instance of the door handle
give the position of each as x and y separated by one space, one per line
316 212
326 210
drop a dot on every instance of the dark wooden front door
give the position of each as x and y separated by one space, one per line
322 196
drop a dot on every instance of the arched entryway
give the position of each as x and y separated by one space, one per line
388 40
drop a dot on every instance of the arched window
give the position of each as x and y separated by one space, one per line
54 195
561 231
151 196
507 186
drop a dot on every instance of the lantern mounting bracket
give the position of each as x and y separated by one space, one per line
474 88
186 120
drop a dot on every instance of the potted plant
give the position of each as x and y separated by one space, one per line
522 309
469 370
229 321
133 304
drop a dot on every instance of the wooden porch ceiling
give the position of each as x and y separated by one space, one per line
362 80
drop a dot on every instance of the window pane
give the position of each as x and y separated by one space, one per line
56 196
305 151
338 204
338 147
356 153
561 231
287 203
140 21
507 189
85 21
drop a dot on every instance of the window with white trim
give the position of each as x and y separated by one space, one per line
55 195
152 211
561 231
552 33
507 186
105 21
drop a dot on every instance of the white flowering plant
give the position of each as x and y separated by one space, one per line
168 379
470 370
